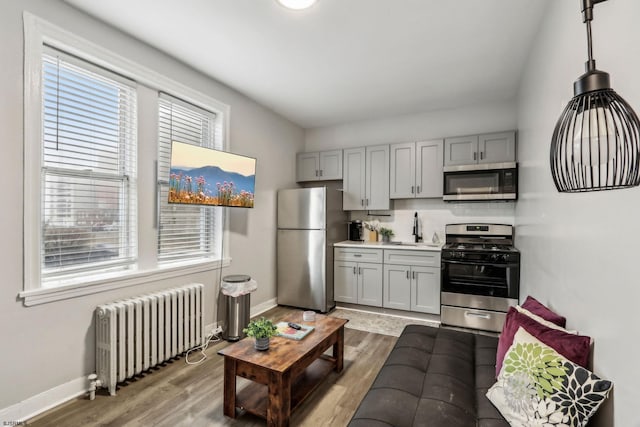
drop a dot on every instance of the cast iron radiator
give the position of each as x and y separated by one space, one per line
136 334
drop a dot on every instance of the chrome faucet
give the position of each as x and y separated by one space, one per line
416 233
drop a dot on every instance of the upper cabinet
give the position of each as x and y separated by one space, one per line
486 148
416 169
319 166
366 178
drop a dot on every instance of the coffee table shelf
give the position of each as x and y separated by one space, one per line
254 398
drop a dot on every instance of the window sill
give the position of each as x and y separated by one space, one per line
45 295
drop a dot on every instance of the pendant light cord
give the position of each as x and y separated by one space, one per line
587 17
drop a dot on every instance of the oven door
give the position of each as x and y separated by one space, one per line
481 278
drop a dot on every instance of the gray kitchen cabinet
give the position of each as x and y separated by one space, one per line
396 287
356 280
366 178
416 169
461 150
402 168
319 166
345 281
497 147
412 280
477 149
425 289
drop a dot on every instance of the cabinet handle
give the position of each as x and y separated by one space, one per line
418 189
320 172
316 172
475 156
413 274
481 155
357 255
366 202
354 270
412 189
361 202
360 271
407 274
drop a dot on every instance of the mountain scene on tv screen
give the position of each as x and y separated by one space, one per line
211 185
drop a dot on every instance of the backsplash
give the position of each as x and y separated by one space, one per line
433 215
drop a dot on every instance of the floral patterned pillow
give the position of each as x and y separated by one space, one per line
537 386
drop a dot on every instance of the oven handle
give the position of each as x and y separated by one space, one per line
480 263
480 315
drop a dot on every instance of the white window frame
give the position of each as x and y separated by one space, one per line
37 33
213 217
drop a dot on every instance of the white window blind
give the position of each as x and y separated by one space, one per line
185 232
88 178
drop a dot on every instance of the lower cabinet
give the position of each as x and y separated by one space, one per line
399 279
425 289
414 286
357 282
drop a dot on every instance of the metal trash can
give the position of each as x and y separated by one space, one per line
237 292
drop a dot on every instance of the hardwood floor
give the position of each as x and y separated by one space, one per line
178 394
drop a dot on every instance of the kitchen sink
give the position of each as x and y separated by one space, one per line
419 244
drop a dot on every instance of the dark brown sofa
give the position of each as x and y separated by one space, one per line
433 377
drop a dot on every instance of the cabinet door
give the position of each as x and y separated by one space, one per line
377 177
425 289
370 284
345 278
353 182
429 173
307 166
461 150
402 167
497 147
396 287
331 164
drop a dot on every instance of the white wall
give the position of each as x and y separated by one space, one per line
416 127
53 344
579 251
434 214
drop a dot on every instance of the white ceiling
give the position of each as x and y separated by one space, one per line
342 60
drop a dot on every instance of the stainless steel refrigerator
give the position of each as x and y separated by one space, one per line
310 221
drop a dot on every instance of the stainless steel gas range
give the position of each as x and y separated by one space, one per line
480 275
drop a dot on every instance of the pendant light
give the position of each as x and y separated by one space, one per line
596 142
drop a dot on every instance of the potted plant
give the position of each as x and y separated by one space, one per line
261 329
386 234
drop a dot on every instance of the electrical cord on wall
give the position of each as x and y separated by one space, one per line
213 335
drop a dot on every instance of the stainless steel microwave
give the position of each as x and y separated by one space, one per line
481 182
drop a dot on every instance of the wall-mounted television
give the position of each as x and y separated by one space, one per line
204 176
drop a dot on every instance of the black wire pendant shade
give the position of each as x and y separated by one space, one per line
596 141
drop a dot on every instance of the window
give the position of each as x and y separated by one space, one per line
185 232
88 170
84 230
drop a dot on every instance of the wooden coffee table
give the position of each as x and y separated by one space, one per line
286 374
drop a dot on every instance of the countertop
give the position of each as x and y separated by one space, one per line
410 246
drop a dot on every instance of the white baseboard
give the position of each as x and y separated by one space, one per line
265 306
44 401
58 395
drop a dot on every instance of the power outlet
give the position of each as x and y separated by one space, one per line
217 330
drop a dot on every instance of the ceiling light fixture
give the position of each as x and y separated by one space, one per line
297 4
596 142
